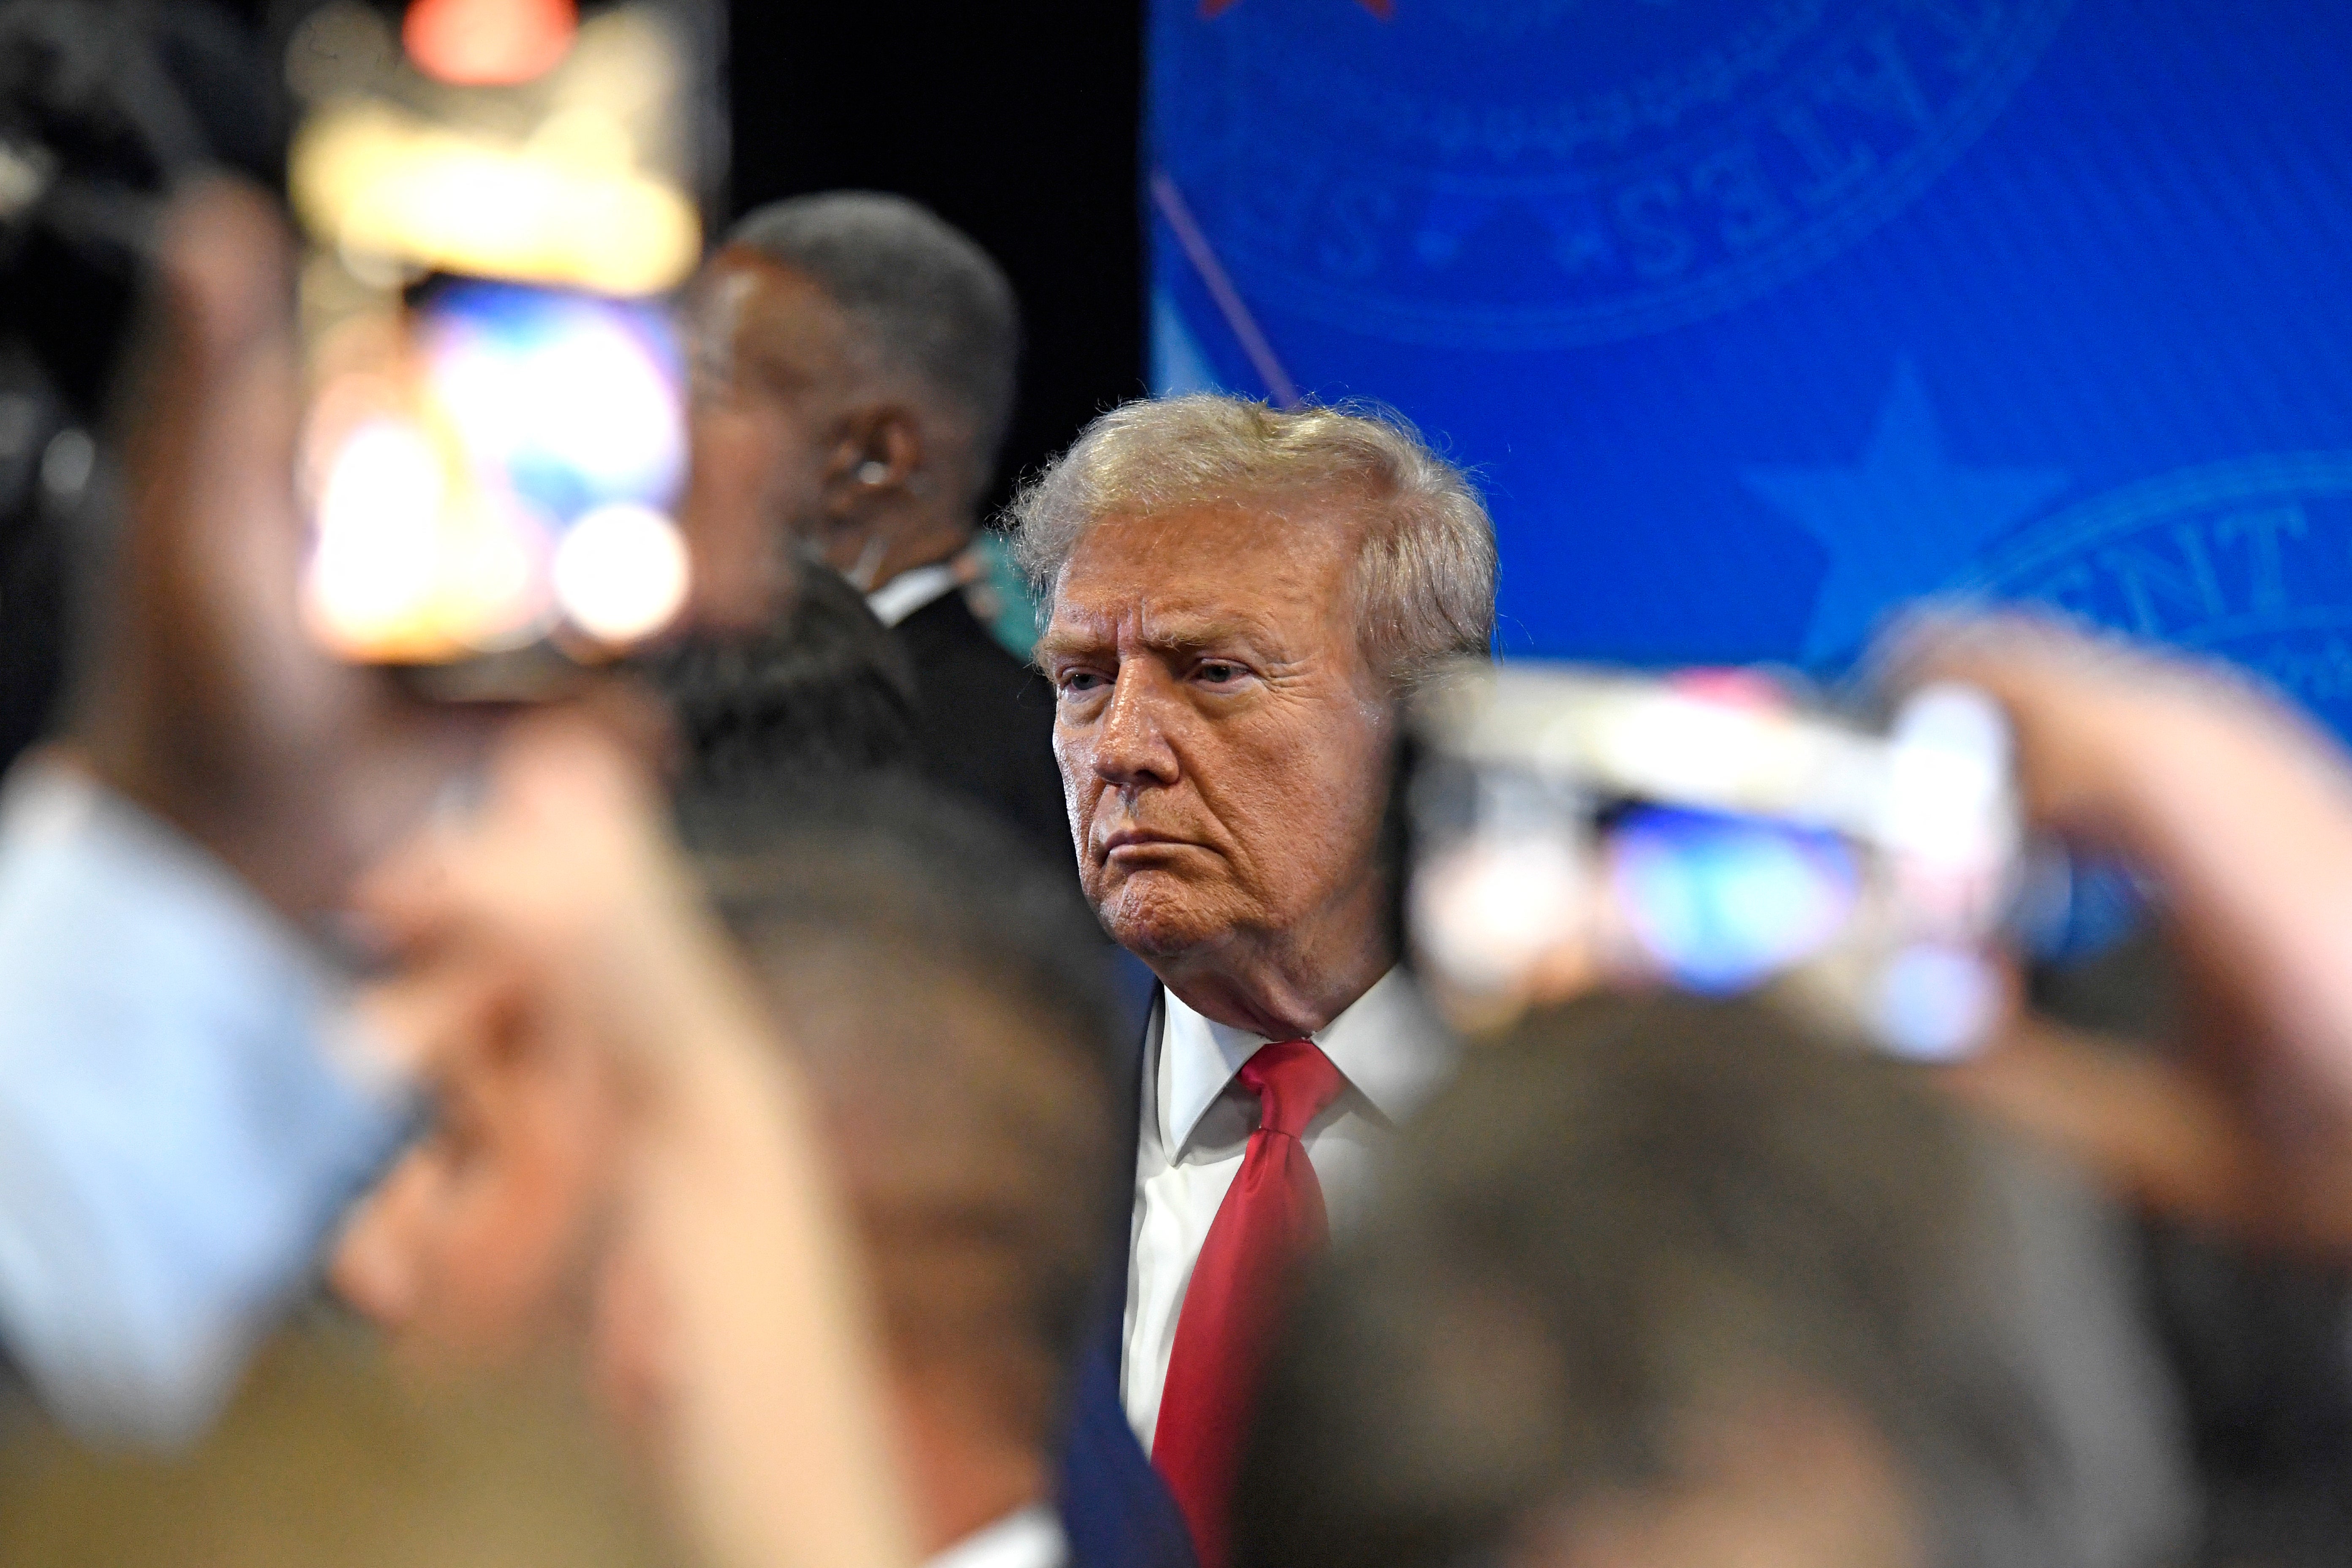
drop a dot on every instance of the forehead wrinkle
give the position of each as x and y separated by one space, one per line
1098 596
1176 630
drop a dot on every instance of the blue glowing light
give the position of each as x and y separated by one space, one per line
1721 902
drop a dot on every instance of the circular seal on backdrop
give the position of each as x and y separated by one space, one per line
2249 559
1541 174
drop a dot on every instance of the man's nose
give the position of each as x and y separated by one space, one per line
371 1269
1132 745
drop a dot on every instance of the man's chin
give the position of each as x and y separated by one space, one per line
1154 915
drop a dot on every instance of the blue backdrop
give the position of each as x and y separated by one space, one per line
1756 317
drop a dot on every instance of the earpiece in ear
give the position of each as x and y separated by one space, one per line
872 471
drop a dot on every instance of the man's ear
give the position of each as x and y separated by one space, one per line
875 460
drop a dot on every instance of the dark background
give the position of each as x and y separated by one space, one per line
1016 120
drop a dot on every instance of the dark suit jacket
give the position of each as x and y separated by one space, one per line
986 721
1116 1511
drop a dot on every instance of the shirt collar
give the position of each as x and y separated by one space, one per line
1387 1043
1031 1538
909 590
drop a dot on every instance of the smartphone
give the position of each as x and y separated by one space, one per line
1575 828
502 480
494 443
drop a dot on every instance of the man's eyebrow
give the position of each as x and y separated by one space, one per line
1188 635
1174 635
1053 645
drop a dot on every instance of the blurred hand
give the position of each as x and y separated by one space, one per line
559 891
2242 815
203 697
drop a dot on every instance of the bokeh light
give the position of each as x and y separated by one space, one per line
488 42
372 180
1936 1003
373 567
450 471
1720 902
1494 906
621 572
570 396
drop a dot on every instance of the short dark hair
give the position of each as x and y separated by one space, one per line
937 304
1629 1215
951 998
823 693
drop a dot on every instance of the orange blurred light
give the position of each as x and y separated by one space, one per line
488 42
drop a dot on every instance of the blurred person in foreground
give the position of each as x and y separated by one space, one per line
946 1001
183 1108
480 1246
186 1101
1239 598
1669 1283
954 1011
855 364
560 920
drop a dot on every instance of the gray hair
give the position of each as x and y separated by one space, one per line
938 307
1426 568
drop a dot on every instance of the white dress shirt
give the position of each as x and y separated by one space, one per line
1029 1539
909 590
1196 1125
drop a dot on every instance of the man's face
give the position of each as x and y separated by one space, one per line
1224 747
768 375
480 1248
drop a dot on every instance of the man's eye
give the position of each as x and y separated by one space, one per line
1217 671
1079 681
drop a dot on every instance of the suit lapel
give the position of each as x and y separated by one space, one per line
1126 1081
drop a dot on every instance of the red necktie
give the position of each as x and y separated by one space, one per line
1271 1221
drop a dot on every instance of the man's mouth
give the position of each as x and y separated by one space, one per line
1139 838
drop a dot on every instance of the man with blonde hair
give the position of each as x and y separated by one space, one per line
1238 597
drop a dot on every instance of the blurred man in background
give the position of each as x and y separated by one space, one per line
1239 598
855 364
